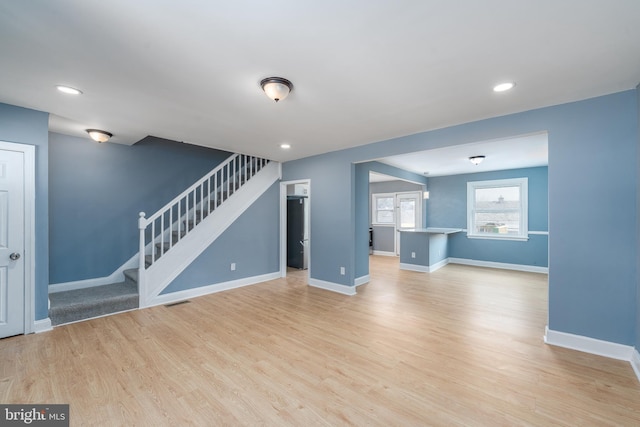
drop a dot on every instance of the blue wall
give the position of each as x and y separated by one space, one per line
592 206
252 242
638 226
384 235
447 207
362 207
97 190
30 127
332 232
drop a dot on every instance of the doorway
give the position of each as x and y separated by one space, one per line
17 195
409 213
295 226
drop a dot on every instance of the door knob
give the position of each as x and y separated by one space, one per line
14 256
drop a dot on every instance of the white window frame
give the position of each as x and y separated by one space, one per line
374 210
523 183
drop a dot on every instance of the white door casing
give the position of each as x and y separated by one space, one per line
12 243
409 213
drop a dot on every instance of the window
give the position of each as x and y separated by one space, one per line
383 209
497 209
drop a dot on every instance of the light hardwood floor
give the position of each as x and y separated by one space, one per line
461 346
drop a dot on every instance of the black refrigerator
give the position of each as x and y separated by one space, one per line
297 232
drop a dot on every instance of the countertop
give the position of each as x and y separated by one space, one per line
431 230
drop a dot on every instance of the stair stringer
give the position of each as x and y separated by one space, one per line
161 273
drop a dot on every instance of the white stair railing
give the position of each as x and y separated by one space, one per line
165 228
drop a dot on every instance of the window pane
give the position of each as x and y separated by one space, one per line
384 203
407 213
499 198
497 222
498 208
385 217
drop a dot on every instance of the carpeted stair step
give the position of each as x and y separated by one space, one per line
81 304
131 277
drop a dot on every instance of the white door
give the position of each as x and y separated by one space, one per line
409 208
12 284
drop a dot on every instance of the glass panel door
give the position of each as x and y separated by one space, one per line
409 213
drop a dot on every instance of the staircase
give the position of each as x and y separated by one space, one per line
172 238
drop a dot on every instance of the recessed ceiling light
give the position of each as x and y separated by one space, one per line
503 87
285 146
69 90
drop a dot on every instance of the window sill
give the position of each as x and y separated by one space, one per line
512 238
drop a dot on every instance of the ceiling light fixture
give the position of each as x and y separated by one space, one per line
276 88
285 146
69 90
476 160
99 135
503 87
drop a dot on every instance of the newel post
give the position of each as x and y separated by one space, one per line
142 288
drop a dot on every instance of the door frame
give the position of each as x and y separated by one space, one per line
29 229
420 202
283 224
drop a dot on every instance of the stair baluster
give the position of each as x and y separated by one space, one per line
213 189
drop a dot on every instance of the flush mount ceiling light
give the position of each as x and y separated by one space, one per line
285 146
502 87
276 88
99 135
476 160
69 90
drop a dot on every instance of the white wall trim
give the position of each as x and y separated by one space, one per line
424 268
384 253
635 362
361 280
438 265
43 325
115 277
334 287
414 267
500 265
211 289
539 233
588 345
283 223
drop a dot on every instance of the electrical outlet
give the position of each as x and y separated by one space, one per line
342 271
233 266
413 254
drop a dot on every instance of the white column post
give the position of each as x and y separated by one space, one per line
142 289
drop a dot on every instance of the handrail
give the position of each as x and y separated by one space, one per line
190 189
190 207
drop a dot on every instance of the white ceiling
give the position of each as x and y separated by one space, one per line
363 71
513 153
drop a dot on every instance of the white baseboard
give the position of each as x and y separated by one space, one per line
500 265
115 277
42 325
334 287
424 268
414 267
635 363
438 265
361 280
211 289
589 345
384 253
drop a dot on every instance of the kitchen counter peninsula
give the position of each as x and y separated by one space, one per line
425 249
